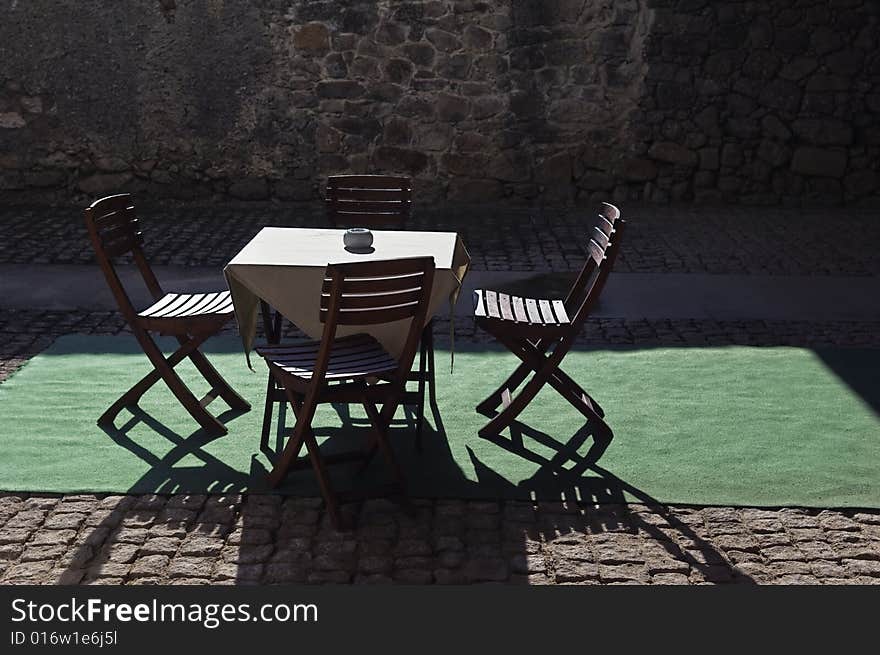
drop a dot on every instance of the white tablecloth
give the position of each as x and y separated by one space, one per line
285 267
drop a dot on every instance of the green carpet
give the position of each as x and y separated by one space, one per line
727 426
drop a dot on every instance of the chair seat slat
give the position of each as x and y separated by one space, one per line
546 312
504 306
532 311
479 303
308 358
492 304
189 305
559 310
367 355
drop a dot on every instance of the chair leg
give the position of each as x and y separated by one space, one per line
420 411
163 369
533 358
129 398
432 381
542 373
133 395
323 476
216 381
178 388
547 370
518 403
380 427
564 384
493 400
304 411
303 435
267 414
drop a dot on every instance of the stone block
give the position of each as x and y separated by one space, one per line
824 132
421 54
398 71
390 33
773 152
510 166
339 89
288 189
389 158
45 178
477 39
314 37
103 184
474 191
11 120
820 162
798 68
862 183
452 108
554 170
672 153
443 40
249 188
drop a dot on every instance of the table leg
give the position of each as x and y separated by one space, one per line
272 327
271 323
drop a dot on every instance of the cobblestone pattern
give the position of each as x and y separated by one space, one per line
659 239
266 539
24 333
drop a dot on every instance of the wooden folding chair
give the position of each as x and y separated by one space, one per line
541 332
368 200
365 201
339 370
190 317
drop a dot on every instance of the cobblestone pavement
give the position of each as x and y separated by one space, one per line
23 333
687 239
264 539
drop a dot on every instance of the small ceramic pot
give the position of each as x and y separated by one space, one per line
358 238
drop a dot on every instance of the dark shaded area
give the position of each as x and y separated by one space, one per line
857 369
165 476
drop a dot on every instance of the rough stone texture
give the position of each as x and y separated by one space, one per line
547 543
555 101
680 239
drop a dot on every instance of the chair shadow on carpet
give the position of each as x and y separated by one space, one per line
601 495
213 476
604 495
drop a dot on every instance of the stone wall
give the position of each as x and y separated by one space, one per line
544 101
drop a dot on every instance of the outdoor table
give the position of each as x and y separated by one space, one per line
283 267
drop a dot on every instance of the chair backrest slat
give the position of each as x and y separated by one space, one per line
602 246
368 200
114 231
393 298
607 218
600 237
370 293
376 292
597 252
